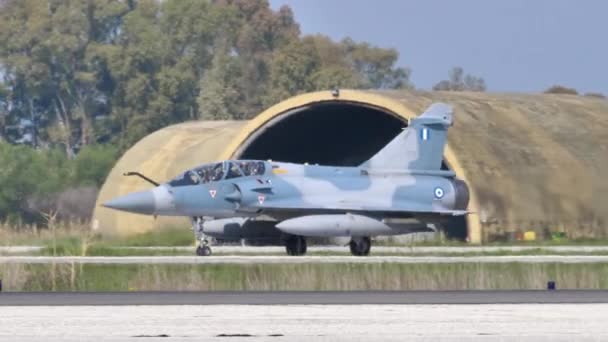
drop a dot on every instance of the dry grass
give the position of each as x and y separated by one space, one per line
301 277
77 239
33 235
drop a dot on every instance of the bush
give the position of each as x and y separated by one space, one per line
71 204
458 81
35 181
26 172
558 89
93 163
596 95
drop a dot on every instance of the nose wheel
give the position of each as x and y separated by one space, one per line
360 246
203 248
295 245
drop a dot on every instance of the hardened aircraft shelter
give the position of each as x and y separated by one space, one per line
533 162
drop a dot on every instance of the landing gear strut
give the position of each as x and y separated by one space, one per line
360 246
295 245
203 248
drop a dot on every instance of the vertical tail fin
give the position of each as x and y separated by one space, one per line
420 145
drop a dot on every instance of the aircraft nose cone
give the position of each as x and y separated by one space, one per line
138 202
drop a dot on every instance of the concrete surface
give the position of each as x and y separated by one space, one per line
303 297
343 249
390 249
280 259
19 249
524 322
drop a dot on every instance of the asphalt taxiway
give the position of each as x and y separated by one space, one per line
318 259
227 249
304 297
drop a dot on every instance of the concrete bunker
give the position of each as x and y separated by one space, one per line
315 128
333 132
532 161
317 134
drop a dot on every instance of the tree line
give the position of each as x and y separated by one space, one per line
82 72
35 182
83 80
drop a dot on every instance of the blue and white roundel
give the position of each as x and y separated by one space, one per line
439 193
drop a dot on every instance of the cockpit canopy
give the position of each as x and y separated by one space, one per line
218 171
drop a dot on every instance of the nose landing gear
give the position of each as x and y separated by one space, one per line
203 248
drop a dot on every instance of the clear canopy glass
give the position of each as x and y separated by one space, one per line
214 172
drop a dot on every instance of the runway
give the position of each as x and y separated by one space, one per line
395 249
304 298
317 259
267 323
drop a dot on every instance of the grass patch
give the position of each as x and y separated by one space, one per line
87 244
143 277
104 250
70 235
174 236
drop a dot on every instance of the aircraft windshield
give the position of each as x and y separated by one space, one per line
187 178
210 172
233 171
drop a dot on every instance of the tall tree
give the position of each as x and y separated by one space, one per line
291 71
87 71
261 33
219 92
45 56
376 66
4 104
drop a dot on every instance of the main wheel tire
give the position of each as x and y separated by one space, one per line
296 245
361 246
203 251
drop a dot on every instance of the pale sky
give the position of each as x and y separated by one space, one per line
515 45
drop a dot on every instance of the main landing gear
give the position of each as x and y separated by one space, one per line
360 246
203 248
295 245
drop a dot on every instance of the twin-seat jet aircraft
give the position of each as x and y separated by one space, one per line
402 189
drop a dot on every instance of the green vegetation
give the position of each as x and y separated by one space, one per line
37 181
458 81
595 95
86 244
72 237
559 89
93 71
177 236
71 277
82 80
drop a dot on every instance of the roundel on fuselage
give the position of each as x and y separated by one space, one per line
439 193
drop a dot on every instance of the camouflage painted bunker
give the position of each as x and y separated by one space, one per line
533 162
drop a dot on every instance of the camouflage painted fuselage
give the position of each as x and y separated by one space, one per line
286 190
403 181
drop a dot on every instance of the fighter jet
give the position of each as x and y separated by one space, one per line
400 190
